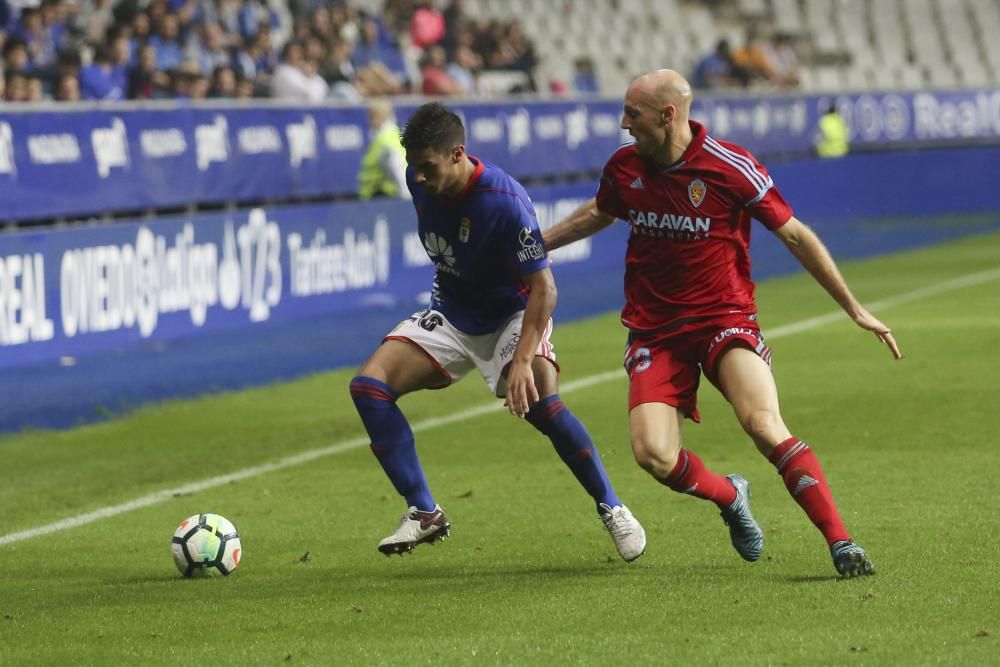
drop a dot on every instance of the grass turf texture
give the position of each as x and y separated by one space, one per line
530 576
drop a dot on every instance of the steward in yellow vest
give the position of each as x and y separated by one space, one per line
831 141
383 167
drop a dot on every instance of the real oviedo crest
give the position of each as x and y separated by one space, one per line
696 192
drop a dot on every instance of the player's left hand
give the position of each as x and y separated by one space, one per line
866 320
521 391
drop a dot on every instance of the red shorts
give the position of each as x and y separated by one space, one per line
665 367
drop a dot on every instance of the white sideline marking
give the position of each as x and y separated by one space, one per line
427 424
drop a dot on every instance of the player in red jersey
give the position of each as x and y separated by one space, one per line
690 305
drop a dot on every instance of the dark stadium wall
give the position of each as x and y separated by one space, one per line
225 308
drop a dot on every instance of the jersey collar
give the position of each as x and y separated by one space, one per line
698 134
477 172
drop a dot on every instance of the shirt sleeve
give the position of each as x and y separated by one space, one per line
771 210
753 186
608 200
521 237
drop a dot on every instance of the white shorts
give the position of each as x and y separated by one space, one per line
456 353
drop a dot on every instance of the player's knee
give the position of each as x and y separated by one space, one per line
657 458
364 388
762 425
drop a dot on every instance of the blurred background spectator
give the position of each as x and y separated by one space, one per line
301 50
716 69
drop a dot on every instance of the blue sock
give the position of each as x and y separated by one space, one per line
574 446
392 440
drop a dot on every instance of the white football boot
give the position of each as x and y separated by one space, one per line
625 530
416 527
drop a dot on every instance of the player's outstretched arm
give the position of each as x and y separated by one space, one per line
521 390
581 223
807 247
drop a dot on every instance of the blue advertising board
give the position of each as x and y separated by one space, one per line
74 291
81 289
94 160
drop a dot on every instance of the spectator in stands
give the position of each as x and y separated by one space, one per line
16 88
784 60
754 59
223 82
584 77
121 56
38 40
455 20
397 15
208 49
15 55
245 88
347 21
94 19
296 78
145 79
832 133
339 73
515 52
383 167
169 53
372 49
35 89
67 88
427 25
464 69
256 61
102 80
140 34
68 64
716 69
435 78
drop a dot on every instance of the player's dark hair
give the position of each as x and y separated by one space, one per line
433 126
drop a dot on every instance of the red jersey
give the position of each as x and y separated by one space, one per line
689 249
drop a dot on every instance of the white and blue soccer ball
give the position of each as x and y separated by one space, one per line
206 545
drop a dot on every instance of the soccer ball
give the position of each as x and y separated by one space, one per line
206 545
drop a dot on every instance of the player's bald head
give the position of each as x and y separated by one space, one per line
655 113
662 87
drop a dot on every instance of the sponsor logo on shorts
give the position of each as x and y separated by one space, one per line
730 332
508 349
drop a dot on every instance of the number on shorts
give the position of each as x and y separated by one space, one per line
638 360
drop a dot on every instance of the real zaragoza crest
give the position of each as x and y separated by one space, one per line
696 192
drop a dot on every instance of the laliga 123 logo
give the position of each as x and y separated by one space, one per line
437 247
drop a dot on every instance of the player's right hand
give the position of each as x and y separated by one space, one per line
521 391
866 320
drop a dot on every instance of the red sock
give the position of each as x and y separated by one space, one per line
690 476
804 479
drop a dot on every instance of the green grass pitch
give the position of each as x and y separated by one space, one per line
529 576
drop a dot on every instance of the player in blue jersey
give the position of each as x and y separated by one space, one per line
490 310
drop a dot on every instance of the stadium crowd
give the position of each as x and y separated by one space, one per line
298 50
770 62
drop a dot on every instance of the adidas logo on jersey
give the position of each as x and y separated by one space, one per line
637 184
804 483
